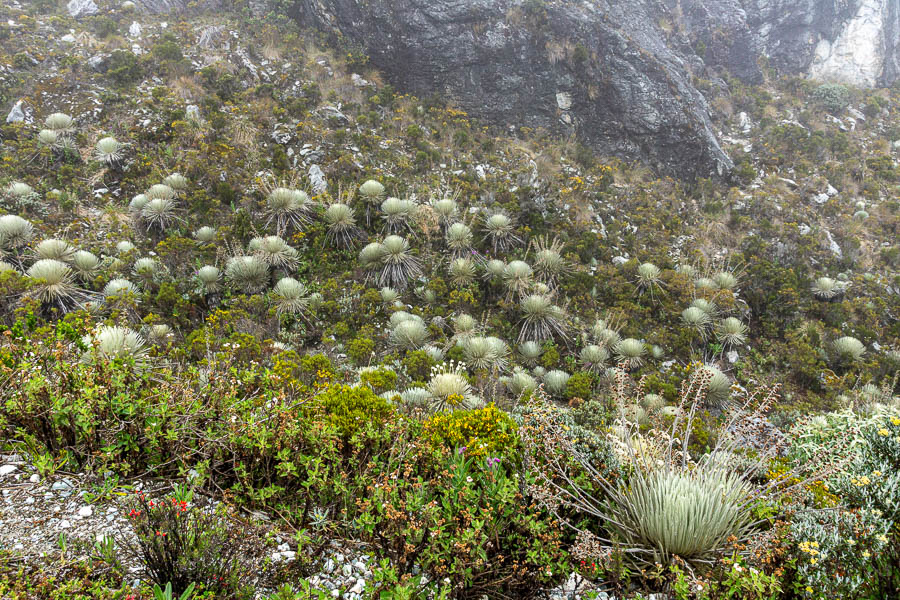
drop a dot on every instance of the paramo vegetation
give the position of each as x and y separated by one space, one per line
234 259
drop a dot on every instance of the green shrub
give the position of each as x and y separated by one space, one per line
482 432
360 349
833 96
380 380
579 385
352 409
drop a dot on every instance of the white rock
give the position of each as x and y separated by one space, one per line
856 56
732 356
358 587
831 191
821 198
564 100
64 524
135 29
328 567
745 122
619 261
317 179
68 38
17 113
358 81
82 8
347 570
7 470
34 478
193 113
85 511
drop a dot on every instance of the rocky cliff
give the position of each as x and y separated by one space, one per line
618 75
602 71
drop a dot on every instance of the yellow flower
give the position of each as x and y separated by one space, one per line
866 554
881 538
809 590
895 420
884 432
876 473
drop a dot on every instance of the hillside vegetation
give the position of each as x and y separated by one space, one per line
236 260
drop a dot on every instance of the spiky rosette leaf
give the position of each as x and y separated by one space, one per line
113 342
176 181
500 231
341 223
137 204
446 209
53 283
370 255
462 272
485 353
210 278
56 249
631 352
124 247
372 192
160 191
541 319
275 252
459 239
60 123
119 287
549 264
399 266
396 214
248 274
731 332
109 150
555 382
594 357
15 232
848 349
146 268
288 207
409 334
517 276
290 296
449 389
205 235
530 351
826 288
696 319
160 213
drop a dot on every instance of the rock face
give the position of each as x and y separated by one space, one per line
600 70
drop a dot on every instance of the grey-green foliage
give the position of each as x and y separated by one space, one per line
114 342
160 213
109 151
594 357
247 274
517 277
631 352
85 264
209 277
833 96
53 282
290 296
731 332
459 239
555 382
275 252
397 214
288 207
398 265
500 231
669 512
449 389
15 232
54 248
205 235
341 225
848 349
462 272
117 287
541 319
410 334
486 353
